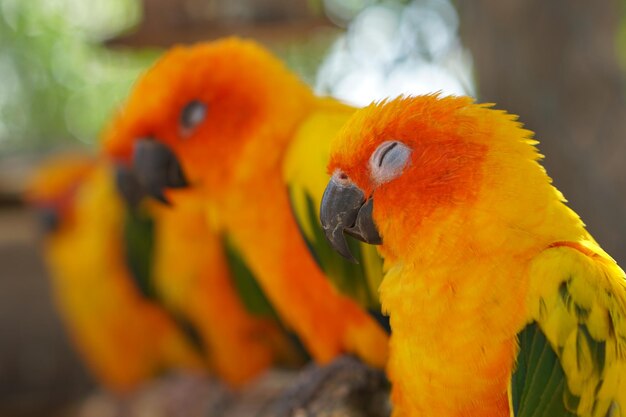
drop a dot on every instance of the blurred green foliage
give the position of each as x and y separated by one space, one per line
305 58
58 84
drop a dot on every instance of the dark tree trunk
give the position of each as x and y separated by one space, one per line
554 63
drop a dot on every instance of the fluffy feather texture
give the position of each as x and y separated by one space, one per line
124 338
235 158
479 244
304 171
192 277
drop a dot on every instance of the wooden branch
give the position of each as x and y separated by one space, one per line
346 388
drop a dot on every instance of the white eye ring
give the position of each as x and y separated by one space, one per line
389 160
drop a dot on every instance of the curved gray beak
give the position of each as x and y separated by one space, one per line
157 168
345 209
128 186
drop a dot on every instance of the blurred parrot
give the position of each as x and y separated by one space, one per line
230 121
189 274
500 302
123 337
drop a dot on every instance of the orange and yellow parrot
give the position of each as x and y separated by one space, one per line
189 274
500 302
230 121
123 337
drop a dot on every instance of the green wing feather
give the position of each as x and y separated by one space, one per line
572 359
138 245
306 178
538 387
255 300
248 289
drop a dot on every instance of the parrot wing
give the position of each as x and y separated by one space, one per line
248 289
258 304
138 243
306 178
572 359
122 337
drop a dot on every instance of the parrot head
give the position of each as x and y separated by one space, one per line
192 114
52 188
423 168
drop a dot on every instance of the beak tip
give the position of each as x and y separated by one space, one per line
157 169
347 254
353 260
159 196
165 201
339 244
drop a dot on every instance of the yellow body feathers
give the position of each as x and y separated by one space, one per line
480 246
123 337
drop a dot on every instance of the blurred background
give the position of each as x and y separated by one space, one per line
66 64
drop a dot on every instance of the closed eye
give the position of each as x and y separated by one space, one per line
192 115
385 152
389 160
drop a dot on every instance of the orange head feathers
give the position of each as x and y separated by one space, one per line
57 177
205 102
441 171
